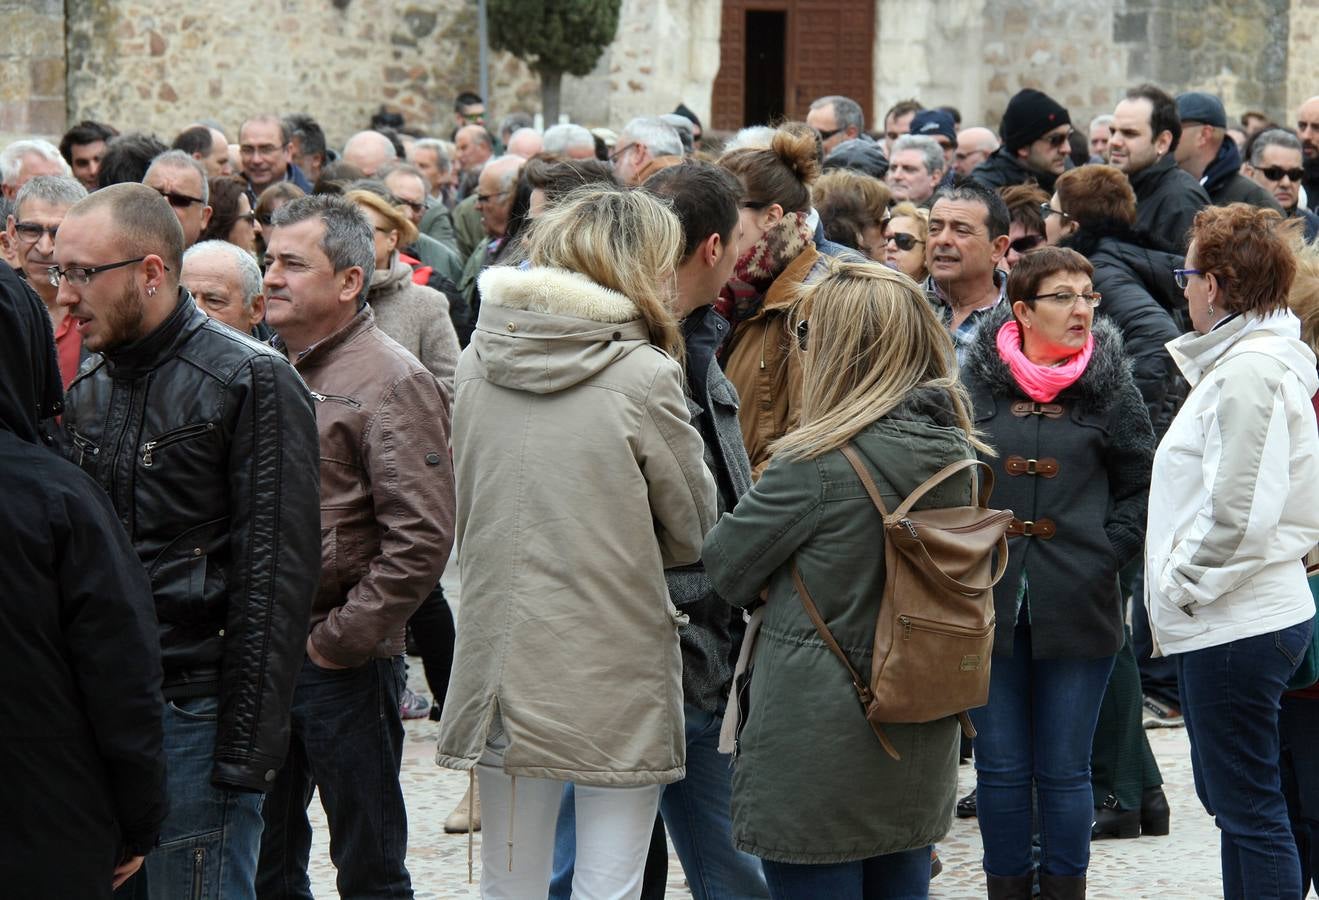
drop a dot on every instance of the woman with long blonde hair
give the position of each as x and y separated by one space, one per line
579 481
878 374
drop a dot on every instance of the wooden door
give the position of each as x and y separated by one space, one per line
829 49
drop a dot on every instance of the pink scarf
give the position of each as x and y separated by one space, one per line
1040 383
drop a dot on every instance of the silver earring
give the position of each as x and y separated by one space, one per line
1211 309
151 292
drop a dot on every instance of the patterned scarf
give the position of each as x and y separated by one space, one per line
763 262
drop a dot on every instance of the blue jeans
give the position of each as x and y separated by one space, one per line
347 743
1037 730
210 839
1298 725
1230 696
696 812
893 876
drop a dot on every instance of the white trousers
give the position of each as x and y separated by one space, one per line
518 816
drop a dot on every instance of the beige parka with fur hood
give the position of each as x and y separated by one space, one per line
579 480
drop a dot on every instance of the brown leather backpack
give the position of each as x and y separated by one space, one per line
935 628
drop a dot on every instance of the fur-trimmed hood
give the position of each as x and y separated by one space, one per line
1098 388
544 330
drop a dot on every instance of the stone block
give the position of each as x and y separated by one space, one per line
1131 27
47 76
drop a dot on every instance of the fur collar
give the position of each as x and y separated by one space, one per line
1097 389
555 292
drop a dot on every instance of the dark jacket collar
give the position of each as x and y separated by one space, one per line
146 353
1147 180
1225 167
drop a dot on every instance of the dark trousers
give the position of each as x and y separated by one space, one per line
433 632
347 743
1230 698
894 876
1298 727
1121 762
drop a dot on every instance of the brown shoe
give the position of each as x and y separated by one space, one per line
458 821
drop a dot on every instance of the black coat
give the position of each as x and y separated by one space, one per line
1104 446
1129 275
80 703
1167 199
1225 184
206 443
1002 169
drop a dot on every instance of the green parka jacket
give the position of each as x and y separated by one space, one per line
811 783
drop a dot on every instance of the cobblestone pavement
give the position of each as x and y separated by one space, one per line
1181 866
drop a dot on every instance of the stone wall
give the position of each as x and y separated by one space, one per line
159 64
1302 58
31 68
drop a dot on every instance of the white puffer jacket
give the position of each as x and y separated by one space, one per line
1234 496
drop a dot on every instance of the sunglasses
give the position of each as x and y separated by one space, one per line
180 201
902 240
1026 243
1277 173
1046 210
825 135
1057 140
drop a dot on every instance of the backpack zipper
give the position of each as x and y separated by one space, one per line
910 623
173 437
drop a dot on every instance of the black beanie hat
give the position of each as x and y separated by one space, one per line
1030 115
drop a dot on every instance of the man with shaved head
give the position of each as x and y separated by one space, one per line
369 151
974 146
525 142
206 443
265 151
1307 129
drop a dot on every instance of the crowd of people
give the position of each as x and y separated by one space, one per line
647 386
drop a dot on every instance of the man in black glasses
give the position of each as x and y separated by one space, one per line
206 443
1276 164
837 119
1205 152
38 211
181 180
1034 132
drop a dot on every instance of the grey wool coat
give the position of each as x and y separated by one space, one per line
579 481
1100 435
811 783
416 317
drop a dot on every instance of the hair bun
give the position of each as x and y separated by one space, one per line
797 146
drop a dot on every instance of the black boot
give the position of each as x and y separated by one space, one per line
1154 813
966 807
1016 887
1112 821
1062 887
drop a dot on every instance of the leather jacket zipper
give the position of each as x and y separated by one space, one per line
85 447
321 398
173 437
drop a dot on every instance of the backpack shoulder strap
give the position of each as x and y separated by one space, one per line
863 472
813 613
978 497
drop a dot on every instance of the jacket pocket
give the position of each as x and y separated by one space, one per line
179 573
178 435
85 452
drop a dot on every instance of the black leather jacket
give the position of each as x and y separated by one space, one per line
206 443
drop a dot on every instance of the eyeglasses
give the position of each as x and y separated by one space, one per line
754 204
1067 298
825 135
80 275
179 201
31 232
1026 243
385 230
410 204
903 241
260 149
613 157
1277 173
1057 140
1046 210
482 199
1183 276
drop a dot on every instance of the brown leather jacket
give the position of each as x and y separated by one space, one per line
763 366
386 489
